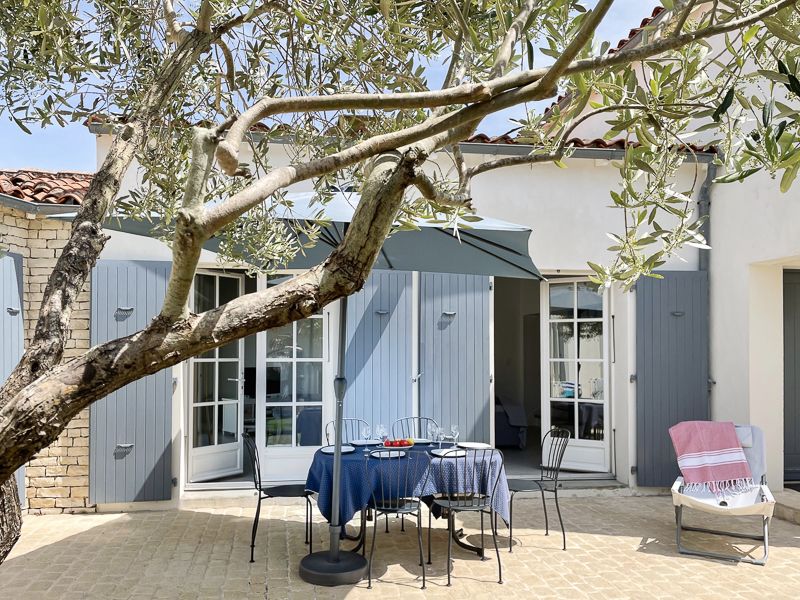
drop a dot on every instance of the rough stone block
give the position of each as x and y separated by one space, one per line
41 502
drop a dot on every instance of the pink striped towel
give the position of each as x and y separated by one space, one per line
710 457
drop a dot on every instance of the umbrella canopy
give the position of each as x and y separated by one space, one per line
485 247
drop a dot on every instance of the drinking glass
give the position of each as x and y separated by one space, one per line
380 432
365 432
432 431
440 435
454 432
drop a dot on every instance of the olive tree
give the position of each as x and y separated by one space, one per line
183 85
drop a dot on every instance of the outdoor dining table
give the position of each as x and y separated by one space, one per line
359 480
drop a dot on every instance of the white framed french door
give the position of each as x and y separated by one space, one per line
216 389
575 370
295 368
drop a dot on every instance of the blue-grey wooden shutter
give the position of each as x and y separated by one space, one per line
131 429
454 353
672 341
12 328
378 352
791 375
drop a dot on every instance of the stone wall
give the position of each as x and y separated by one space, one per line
57 479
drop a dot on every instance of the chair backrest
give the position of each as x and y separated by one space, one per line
351 430
468 478
754 447
255 463
397 473
412 427
554 444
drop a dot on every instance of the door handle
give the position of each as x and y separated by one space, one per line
12 311
416 378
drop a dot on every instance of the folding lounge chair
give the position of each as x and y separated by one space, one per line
757 502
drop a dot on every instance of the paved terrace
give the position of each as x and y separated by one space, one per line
616 548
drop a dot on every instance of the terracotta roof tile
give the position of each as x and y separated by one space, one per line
636 30
618 144
45 187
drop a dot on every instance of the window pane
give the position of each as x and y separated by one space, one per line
279 426
562 379
309 382
561 306
590 380
230 350
205 295
203 426
279 342
204 373
309 426
227 423
562 414
590 421
562 340
309 338
228 289
279 382
228 380
590 340
590 303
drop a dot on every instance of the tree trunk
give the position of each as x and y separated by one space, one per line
45 350
10 517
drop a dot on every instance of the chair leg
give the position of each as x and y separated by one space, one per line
419 540
372 551
561 522
387 522
546 524
430 514
497 551
449 543
402 523
511 522
483 554
255 529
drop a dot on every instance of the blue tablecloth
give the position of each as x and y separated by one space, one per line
359 482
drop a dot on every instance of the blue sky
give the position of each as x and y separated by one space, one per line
72 148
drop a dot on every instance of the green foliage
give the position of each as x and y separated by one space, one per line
63 60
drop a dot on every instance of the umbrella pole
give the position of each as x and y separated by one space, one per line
336 567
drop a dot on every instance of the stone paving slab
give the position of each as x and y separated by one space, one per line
616 548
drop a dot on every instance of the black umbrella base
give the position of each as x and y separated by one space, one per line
317 568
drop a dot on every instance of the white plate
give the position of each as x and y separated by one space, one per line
366 443
448 452
421 440
474 446
332 449
387 453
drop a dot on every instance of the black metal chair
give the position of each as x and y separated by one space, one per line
468 483
412 427
351 430
558 439
397 472
275 491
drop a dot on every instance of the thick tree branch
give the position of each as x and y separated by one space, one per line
86 241
228 150
190 235
436 194
34 417
204 16
175 33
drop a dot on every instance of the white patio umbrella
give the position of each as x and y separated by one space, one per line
485 247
